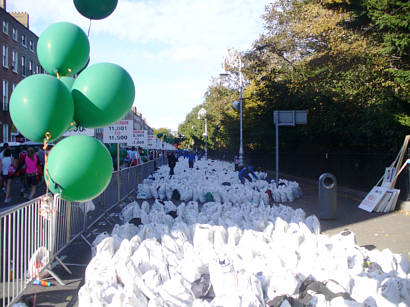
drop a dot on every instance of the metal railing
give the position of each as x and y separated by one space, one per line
34 233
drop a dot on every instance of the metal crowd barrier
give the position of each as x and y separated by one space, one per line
34 233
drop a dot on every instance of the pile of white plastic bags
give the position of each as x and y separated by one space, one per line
234 253
234 256
217 178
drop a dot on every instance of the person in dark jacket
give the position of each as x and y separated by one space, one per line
172 161
191 159
244 174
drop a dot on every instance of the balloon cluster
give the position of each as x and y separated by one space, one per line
44 106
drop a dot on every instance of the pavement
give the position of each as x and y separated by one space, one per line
373 230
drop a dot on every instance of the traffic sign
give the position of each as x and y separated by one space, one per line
290 118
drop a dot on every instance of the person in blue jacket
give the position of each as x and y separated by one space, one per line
191 159
245 172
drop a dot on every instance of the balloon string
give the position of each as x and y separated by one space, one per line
46 139
89 27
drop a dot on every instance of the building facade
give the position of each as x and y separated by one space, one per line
19 60
139 122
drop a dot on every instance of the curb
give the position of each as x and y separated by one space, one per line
350 191
404 205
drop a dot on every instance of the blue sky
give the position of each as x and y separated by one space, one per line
171 48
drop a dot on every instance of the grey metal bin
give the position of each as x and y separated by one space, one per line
327 196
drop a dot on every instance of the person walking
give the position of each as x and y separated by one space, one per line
236 162
5 146
191 159
244 174
172 161
7 172
31 171
41 161
21 171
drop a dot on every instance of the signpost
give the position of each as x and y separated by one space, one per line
286 118
150 142
139 138
120 132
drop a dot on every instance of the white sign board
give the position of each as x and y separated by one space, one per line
372 199
139 138
388 202
150 142
120 132
80 130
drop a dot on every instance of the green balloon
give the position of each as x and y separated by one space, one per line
63 48
40 104
79 167
103 93
94 9
68 82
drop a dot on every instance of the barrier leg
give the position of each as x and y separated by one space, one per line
63 265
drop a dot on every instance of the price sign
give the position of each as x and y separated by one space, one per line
80 130
120 132
139 138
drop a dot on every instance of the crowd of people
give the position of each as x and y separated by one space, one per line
22 163
26 165
187 154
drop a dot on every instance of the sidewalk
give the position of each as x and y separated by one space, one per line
373 230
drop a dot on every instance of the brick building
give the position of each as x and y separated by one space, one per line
18 47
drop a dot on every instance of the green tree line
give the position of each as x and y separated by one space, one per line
344 61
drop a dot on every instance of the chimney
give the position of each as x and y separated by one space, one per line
21 17
3 4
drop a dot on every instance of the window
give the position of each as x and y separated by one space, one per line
14 64
38 69
31 45
5 56
15 36
6 27
23 40
5 133
23 66
5 95
30 68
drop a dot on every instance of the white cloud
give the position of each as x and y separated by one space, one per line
171 48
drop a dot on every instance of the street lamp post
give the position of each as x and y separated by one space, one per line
202 113
241 155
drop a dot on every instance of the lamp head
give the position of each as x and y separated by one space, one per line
236 104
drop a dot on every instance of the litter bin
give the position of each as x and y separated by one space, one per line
327 196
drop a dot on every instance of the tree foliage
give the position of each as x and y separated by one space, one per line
344 61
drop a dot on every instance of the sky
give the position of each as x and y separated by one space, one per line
171 48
